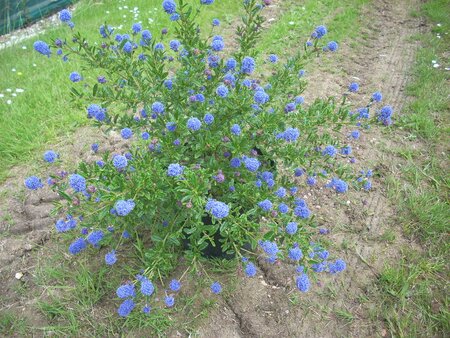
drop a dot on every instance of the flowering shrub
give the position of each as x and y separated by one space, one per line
218 157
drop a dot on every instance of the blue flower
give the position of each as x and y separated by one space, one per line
206 2
169 300
302 212
222 91
323 254
145 136
250 269
251 164
261 97
248 65
273 58
303 282
110 258
105 31
136 28
320 31
311 180
123 208
158 107
217 45
353 87
367 185
291 228
175 169
216 288
283 208
217 209
175 285
209 119
215 22
169 6
159 46
42 47
95 237
127 47
235 163
332 46
213 61
147 287
235 129
384 115
77 246
171 126
295 254
96 111
175 45
355 134
336 267
75 77
289 135
270 248
77 182
231 64
65 15
62 226
319 267
299 100
300 202
281 192
347 150
120 161
126 133
175 17
146 35
290 107
377 97
126 307
329 151
126 291
266 205
94 147
50 156
298 172
338 185
194 124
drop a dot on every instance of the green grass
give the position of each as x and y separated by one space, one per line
415 291
11 324
43 112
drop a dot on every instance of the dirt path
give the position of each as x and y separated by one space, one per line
339 306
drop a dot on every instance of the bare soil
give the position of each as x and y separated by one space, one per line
269 305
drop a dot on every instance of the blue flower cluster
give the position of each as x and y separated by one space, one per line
123 207
289 135
217 209
175 169
62 225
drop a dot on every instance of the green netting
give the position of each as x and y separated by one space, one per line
18 13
